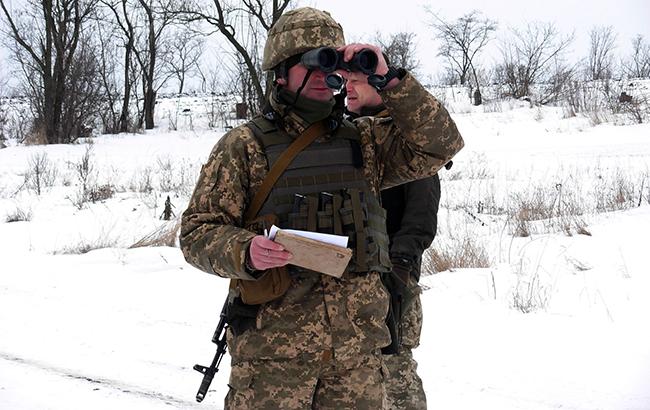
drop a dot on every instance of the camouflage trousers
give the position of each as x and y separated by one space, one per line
307 383
403 386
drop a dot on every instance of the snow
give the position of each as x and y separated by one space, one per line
121 327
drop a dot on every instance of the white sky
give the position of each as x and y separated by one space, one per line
362 18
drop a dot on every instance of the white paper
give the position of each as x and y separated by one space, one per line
337 240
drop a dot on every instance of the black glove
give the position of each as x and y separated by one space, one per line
404 274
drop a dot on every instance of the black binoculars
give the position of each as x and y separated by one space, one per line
328 59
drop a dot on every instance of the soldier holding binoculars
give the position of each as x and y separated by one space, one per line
300 339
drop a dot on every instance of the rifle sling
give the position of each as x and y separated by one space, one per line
307 137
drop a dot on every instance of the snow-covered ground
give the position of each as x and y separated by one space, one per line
121 328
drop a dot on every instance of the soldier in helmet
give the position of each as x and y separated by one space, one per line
299 338
411 220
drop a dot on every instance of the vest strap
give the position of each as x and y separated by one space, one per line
307 137
312 208
337 202
357 212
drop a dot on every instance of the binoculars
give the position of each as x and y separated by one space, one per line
328 59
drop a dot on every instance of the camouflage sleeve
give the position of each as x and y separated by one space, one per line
417 140
212 238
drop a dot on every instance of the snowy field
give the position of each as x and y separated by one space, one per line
557 319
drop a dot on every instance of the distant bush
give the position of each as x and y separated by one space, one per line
19 215
40 173
176 176
637 109
100 193
141 181
87 188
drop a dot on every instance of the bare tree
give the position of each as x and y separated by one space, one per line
185 50
121 12
46 36
462 40
600 62
142 25
400 49
108 57
638 64
3 108
157 17
235 21
84 96
529 58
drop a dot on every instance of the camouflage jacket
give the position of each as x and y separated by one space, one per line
318 313
411 210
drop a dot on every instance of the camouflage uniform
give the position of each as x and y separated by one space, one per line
318 345
411 221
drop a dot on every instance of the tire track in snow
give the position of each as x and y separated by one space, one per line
100 381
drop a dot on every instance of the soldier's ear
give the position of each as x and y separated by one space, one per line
281 81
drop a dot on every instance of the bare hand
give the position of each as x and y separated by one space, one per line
265 254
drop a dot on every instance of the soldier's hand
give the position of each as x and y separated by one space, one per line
265 254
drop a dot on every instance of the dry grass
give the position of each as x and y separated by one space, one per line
475 169
616 192
164 235
19 215
459 253
175 176
85 246
548 210
533 288
36 136
530 294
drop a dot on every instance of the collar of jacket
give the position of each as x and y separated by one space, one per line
376 111
295 118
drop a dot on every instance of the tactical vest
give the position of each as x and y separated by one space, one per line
324 190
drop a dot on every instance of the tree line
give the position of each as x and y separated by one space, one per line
83 61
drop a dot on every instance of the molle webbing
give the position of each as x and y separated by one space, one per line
324 190
358 216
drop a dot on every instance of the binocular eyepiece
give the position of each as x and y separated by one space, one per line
328 59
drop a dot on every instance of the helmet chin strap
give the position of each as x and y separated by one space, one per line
304 83
289 107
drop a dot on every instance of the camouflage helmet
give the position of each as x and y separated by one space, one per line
300 30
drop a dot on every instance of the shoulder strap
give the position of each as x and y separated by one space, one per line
267 132
283 161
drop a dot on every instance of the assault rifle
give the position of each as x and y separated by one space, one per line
219 338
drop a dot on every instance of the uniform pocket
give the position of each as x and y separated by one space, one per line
241 376
385 373
367 307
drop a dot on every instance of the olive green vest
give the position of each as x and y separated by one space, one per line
324 190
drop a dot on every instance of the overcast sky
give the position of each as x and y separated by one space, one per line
362 18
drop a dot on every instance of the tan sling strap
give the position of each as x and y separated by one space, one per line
307 137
